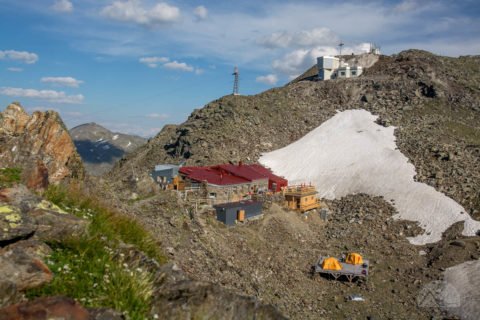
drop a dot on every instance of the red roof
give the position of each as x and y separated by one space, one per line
211 175
226 174
267 173
244 171
272 178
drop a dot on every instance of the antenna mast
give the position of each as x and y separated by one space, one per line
340 45
235 82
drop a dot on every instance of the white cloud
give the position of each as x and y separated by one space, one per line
63 6
200 12
276 40
63 81
407 5
153 62
163 12
269 79
50 95
23 56
13 69
175 65
223 36
133 11
298 61
162 116
303 38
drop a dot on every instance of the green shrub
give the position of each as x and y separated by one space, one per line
90 269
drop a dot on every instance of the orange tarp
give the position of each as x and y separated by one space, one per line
331 264
354 258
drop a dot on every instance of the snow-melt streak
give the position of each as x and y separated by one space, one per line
351 154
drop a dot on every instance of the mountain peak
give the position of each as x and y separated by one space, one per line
40 144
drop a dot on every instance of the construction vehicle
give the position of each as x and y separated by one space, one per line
351 267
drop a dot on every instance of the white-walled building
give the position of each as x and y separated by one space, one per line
332 68
326 67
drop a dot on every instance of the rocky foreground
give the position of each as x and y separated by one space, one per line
271 258
30 224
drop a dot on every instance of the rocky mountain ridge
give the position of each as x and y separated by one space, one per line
101 148
40 145
433 101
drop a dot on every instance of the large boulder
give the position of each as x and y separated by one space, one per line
20 271
54 224
38 144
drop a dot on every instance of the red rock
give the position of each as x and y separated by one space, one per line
39 144
45 308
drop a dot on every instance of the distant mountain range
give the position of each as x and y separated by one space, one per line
101 148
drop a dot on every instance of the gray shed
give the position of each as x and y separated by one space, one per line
228 212
164 173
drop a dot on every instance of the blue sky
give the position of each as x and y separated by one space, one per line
136 65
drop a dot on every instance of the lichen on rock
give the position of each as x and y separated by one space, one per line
47 205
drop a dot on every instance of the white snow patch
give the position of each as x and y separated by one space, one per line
99 140
115 137
351 154
129 144
14 148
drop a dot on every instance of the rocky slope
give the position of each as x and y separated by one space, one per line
433 101
31 226
271 258
100 148
434 104
40 145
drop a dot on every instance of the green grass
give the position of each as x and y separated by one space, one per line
104 221
86 270
90 269
9 176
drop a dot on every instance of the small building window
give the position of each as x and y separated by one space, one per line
342 73
212 195
354 73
